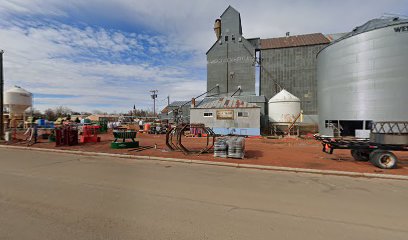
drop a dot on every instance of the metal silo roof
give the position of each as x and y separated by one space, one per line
373 24
284 96
17 89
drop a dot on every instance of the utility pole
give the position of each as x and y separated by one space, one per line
168 100
154 96
1 96
227 69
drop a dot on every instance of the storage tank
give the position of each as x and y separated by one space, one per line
217 28
17 100
363 77
147 127
284 107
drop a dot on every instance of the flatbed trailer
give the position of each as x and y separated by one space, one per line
385 137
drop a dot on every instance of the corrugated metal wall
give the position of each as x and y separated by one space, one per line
231 60
250 124
231 64
294 69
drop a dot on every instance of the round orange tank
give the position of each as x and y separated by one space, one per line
147 127
217 28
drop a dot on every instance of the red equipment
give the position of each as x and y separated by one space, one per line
90 134
66 135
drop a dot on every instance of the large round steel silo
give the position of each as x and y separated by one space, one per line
363 77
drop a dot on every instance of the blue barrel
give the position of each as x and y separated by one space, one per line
41 122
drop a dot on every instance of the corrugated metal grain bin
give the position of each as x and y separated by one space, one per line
363 77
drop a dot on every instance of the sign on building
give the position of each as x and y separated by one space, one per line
225 114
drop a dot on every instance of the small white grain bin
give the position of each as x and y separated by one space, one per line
17 100
284 107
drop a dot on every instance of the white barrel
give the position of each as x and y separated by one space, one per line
7 136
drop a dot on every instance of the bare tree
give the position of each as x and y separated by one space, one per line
140 113
50 114
62 111
35 113
97 112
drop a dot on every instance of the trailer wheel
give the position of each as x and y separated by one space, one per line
383 159
373 155
360 154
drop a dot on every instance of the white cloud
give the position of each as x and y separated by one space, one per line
44 60
47 7
191 21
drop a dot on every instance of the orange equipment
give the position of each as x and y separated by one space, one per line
147 127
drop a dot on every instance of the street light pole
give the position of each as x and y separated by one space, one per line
154 96
1 96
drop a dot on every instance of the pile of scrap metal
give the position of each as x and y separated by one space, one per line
230 146
158 128
66 135
174 136
90 134
61 120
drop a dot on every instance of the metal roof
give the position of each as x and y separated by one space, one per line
256 42
294 41
188 103
229 8
334 36
369 26
252 98
226 102
372 25
199 103
178 103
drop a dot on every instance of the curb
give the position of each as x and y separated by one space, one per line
223 164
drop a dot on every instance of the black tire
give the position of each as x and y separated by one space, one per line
361 155
373 155
383 159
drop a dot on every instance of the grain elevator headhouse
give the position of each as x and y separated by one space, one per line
231 59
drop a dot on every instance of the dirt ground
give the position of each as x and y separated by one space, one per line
298 153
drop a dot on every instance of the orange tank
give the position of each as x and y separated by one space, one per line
147 127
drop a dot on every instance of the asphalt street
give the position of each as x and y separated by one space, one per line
63 196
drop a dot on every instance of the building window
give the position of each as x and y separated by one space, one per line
226 38
242 114
208 114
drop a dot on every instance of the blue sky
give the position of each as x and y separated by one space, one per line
107 54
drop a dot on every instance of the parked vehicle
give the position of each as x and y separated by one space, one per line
385 137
